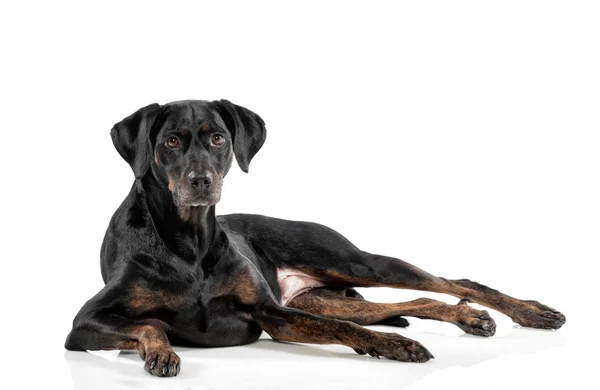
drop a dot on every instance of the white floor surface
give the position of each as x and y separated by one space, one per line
515 358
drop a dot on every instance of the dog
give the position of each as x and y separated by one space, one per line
177 274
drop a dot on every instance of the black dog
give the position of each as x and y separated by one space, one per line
177 274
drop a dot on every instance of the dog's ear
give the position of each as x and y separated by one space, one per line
246 128
131 138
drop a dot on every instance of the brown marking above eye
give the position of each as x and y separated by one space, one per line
172 142
205 127
217 139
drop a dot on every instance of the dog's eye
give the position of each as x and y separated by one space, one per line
172 142
218 139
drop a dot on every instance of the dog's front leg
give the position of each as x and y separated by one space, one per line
287 324
100 325
107 334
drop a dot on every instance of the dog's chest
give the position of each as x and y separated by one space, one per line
293 282
196 316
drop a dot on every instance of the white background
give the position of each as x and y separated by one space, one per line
459 136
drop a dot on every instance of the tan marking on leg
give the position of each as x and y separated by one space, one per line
127 344
328 303
526 313
293 325
154 348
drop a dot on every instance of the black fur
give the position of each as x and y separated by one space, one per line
171 265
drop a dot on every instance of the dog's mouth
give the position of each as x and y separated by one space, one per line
186 197
203 201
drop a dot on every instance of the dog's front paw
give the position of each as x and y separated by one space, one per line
161 361
396 347
533 314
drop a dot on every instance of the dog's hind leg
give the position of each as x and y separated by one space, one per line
362 269
290 324
390 321
333 304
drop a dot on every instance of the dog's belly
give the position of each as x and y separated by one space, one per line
293 283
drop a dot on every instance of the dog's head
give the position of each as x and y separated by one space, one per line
189 145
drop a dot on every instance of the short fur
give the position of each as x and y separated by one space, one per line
175 273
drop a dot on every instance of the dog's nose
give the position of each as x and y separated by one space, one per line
199 179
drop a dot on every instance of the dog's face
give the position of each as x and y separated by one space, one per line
189 145
194 149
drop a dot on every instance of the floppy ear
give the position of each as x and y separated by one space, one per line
246 128
131 138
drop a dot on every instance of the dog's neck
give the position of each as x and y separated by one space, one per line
193 231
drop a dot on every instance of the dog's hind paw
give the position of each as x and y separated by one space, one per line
473 321
533 314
